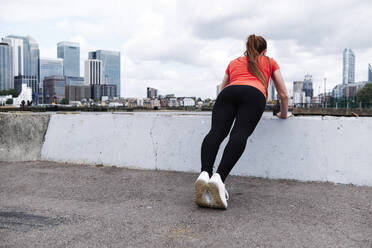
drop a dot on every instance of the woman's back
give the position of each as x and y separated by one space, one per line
240 75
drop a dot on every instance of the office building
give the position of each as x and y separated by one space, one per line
17 54
26 66
70 53
348 72
298 92
271 92
6 67
78 92
298 86
111 66
53 89
152 93
74 81
35 58
308 86
338 90
94 72
28 63
98 91
49 67
31 82
369 73
350 90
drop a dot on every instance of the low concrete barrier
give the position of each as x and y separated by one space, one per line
22 135
334 149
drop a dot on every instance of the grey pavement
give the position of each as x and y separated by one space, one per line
47 204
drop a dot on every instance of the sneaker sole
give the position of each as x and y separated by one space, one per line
200 189
216 201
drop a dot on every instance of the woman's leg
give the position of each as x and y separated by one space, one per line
223 114
251 106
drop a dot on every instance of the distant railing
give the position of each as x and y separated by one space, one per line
350 102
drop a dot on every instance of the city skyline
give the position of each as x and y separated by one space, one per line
187 47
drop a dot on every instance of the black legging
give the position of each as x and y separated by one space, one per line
246 104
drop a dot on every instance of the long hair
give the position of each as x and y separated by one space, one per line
254 46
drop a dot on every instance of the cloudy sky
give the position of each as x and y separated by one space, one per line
183 47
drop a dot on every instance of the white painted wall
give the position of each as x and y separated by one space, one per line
335 149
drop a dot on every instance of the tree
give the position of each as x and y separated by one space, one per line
9 101
364 95
12 92
64 101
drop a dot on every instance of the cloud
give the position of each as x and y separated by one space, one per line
183 47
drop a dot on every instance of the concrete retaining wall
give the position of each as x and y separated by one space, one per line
22 135
335 149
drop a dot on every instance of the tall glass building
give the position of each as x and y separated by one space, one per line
49 67
70 53
272 94
35 58
26 54
348 72
30 56
6 67
111 66
17 54
308 85
369 73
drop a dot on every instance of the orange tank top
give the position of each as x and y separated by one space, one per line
239 74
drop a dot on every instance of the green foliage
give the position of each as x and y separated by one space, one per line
64 101
365 94
12 92
9 101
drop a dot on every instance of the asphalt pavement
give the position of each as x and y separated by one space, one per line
47 204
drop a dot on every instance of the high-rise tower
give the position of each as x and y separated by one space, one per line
348 72
26 60
6 67
111 66
70 53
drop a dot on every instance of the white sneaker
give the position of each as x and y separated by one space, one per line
202 197
218 192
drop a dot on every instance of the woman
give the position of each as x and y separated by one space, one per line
243 98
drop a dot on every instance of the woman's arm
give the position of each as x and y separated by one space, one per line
282 91
225 81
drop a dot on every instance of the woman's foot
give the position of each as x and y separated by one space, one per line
202 197
218 192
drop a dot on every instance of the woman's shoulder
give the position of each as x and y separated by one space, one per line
239 59
274 64
272 60
265 59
